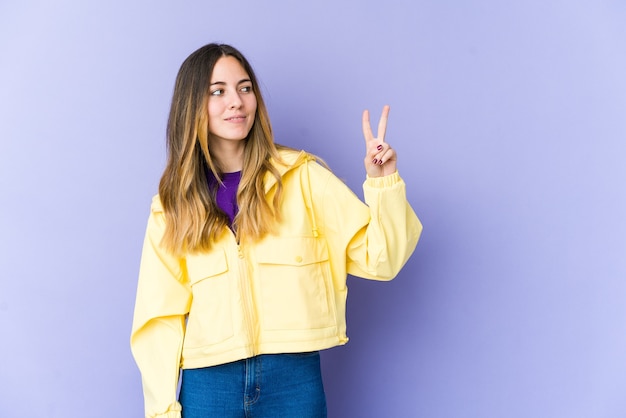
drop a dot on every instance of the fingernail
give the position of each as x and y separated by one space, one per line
380 162
375 161
379 147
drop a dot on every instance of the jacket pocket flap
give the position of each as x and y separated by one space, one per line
297 251
204 265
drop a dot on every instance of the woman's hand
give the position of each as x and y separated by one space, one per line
380 158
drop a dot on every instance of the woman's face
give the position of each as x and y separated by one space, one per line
232 103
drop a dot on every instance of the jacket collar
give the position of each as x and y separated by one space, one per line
290 159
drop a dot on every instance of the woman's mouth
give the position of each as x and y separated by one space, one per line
236 119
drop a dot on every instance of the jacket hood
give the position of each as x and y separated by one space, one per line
290 159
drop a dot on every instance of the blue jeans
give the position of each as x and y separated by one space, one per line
269 385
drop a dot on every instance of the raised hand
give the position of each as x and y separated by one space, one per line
380 158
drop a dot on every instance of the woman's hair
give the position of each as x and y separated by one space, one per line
192 218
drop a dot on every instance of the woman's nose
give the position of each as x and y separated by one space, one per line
236 102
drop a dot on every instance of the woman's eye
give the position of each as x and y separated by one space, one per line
246 89
217 92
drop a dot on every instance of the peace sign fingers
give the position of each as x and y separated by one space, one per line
382 125
380 158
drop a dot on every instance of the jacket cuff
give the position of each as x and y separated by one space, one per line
172 412
384 181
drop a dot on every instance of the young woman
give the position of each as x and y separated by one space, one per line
247 249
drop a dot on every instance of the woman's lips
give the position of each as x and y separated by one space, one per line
236 119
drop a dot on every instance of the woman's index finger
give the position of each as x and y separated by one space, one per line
367 129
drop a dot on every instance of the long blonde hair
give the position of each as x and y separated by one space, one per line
192 218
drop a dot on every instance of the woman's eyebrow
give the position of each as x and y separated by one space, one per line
244 80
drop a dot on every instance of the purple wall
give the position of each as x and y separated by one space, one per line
509 120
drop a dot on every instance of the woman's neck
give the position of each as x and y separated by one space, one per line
228 155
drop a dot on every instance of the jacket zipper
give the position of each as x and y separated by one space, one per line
247 298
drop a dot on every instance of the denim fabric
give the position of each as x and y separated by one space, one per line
265 386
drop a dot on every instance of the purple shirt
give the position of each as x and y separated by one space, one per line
227 193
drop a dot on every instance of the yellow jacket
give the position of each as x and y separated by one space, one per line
284 293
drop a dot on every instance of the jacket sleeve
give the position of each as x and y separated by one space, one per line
379 235
159 321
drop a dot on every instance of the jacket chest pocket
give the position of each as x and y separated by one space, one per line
294 278
210 318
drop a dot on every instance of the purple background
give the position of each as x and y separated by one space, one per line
510 123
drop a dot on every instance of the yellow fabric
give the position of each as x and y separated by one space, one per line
285 293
